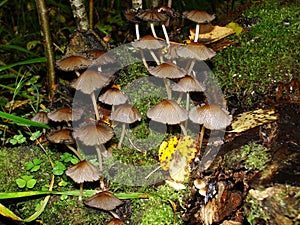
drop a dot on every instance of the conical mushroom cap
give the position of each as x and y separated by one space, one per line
40 117
73 62
113 96
83 171
211 116
188 84
63 136
167 70
64 114
94 134
91 80
198 16
195 51
103 200
126 114
167 112
148 42
131 16
152 16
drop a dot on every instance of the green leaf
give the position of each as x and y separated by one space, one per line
26 177
20 182
21 121
59 168
29 165
35 168
26 62
75 160
31 183
9 214
13 141
37 161
35 135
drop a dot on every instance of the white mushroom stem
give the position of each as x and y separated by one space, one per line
166 34
168 88
137 31
153 30
154 57
183 129
152 172
122 136
99 155
95 106
197 32
80 192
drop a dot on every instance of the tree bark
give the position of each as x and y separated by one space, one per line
49 53
79 13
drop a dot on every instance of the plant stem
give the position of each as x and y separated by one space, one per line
80 15
44 22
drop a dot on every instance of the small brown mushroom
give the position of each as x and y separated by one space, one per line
131 16
194 51
155 16
150 43
113 96
82 172
103 200
89 81
40 117
211 116
64 136
167 70
168 112
125 114
64 114
198 16
73 63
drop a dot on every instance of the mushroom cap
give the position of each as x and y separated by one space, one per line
83 171
91 80
148 42
211 116
95 53
195 51
167 70
152 16
103 200
65 114
198 16
73 62
167 10
113 96
40 117
131 16
167 112
126 114
188 84
63 136
94 134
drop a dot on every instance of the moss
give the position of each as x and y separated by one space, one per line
158 210
266 54
252 157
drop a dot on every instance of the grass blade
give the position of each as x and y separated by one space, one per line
21 121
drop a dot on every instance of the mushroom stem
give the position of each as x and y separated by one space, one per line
95 106
122 136
137 31
154 57
187 106
201 136
190 67
169 91
144 60
166 34
153 30
180 97
80 192
197 32
183 129
99 155
76 152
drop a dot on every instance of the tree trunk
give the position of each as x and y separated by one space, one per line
79 13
